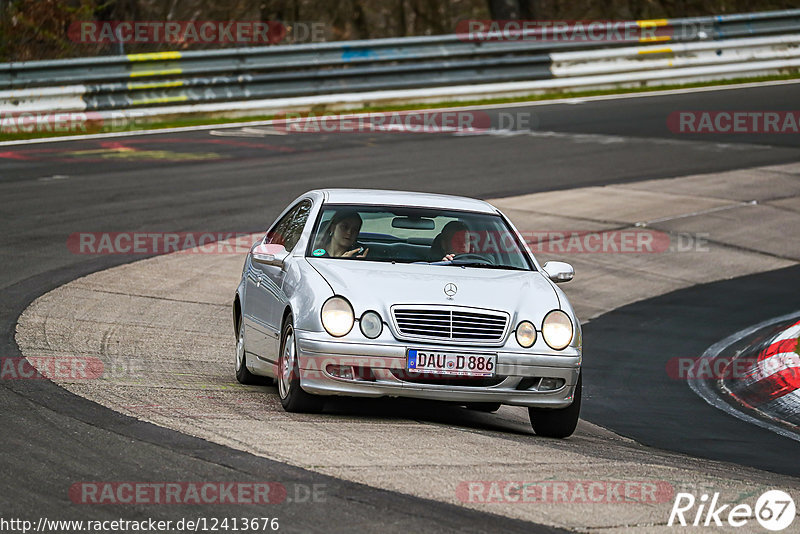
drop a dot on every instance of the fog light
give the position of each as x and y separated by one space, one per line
340 371
551 384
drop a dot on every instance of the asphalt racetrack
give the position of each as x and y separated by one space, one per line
215 181
632 393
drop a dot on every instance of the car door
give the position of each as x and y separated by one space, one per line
266 299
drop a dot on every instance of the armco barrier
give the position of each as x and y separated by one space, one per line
249 80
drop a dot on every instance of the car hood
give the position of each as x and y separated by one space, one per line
378 286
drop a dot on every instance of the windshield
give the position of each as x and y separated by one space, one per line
416 235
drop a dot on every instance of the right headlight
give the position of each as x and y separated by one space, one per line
557 329
526 334
337 316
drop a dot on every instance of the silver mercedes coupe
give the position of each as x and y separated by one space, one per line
370 293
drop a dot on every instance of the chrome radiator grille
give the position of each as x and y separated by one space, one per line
451 324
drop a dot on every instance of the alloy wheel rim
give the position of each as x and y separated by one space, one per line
240 350
287 365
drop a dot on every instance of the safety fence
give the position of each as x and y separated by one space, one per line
492 62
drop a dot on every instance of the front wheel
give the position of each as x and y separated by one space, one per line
558 423
293 398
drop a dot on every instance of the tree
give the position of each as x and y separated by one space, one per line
504 9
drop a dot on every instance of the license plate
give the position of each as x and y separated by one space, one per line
451 363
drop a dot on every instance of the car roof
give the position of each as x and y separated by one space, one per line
405 198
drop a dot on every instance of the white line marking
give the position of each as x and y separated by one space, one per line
608 139
523 104
708 394
701 212
248 132
789 333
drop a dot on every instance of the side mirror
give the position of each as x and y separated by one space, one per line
269 254
558 271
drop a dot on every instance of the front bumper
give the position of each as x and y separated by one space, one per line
516 372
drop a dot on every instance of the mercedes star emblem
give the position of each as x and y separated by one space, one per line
450 290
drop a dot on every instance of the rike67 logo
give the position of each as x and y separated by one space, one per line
774 510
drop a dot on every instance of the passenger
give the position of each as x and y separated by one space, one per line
453 240
339 239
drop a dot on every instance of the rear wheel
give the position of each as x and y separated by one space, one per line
293 398
558 423
242 374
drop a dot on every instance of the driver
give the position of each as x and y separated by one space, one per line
340 238
453 240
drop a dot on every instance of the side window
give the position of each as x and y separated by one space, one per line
288 230
296 225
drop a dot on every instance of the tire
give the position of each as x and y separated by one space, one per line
240 364
558 423
488 407
293 398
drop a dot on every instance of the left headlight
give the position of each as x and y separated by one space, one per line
557 329
371 324
337 316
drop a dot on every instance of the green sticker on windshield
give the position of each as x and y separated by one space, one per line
319 252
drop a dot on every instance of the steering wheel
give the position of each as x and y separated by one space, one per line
470 256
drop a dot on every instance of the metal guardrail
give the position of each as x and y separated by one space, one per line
175 79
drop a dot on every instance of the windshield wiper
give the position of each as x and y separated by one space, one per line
483 265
